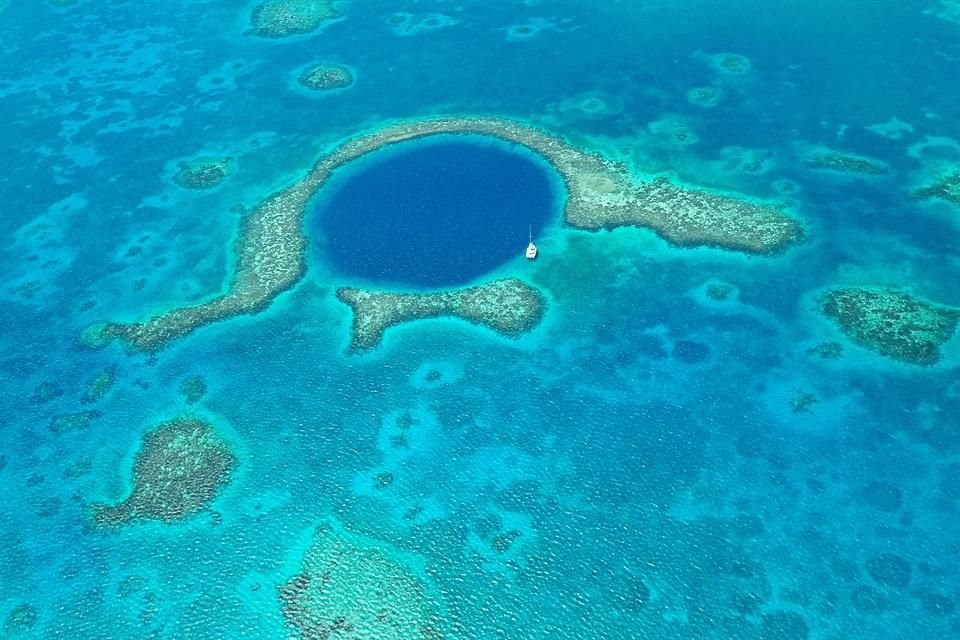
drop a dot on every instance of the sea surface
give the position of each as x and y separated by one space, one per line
648 462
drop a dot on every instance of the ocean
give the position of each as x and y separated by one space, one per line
658 429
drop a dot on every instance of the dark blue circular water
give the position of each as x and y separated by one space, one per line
433 213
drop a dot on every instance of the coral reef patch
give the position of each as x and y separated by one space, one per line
204 172
690 351
351 587
673 130
21 620
783 625
882 496
937 604
509 307
732 64
892 323
803 402
326 76
46 392
705 97
867 599
602 194
407 24
284 18
593 105
719 291
845 163
78 421
181 466
947 188
742 160
829 350
193 389
99 385
889 570
530 29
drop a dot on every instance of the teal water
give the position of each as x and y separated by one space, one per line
640 449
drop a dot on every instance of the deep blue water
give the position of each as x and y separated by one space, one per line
434 213
641 443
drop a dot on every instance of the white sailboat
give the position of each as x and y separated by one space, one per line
531 248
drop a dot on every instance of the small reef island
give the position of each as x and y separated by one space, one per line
601 194
351 587
508 306
892 323
181 466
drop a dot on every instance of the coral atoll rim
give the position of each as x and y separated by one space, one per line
602 194
509 307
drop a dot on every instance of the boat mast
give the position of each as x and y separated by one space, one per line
531 234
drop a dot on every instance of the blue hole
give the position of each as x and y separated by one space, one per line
437 212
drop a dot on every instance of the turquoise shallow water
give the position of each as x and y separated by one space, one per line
635 467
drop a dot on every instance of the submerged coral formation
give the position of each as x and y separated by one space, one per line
892 323
507 306
283 18
946 188
593 105
746 160
99 385
705 97
937 604
846 163
67 422
180 468
889 570
45 392
351 587
730 63
783 625
326 77
867 599
204 172
719 291
882 496
674 130
602 193
407 24
829 350
803 402
193 389
21 619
